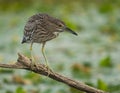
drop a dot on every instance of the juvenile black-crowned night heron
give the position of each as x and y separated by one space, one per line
41 28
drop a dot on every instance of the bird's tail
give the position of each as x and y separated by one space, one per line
71 31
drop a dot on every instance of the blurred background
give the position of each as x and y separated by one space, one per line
92 57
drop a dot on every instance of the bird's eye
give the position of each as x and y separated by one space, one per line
60 25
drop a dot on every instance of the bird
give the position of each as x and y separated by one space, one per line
41 28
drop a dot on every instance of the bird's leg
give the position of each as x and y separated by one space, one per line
43 45
31 51
32 57
47 65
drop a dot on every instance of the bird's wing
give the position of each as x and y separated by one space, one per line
29 28
47 22
34 22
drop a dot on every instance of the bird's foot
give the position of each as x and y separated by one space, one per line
33 64
49 70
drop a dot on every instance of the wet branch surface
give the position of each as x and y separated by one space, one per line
24 62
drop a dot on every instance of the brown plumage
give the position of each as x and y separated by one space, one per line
41 28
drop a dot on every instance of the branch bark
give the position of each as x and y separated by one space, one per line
25 63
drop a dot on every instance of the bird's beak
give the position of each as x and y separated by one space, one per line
69 30
23 41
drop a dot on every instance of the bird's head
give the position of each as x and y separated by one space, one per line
62 27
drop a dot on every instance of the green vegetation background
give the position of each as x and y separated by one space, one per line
92 57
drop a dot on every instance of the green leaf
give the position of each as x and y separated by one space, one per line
106 62
20 90
102 85
106 8
73 90
35 78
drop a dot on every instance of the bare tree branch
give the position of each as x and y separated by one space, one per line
25 63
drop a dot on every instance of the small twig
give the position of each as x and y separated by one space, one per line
25 63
